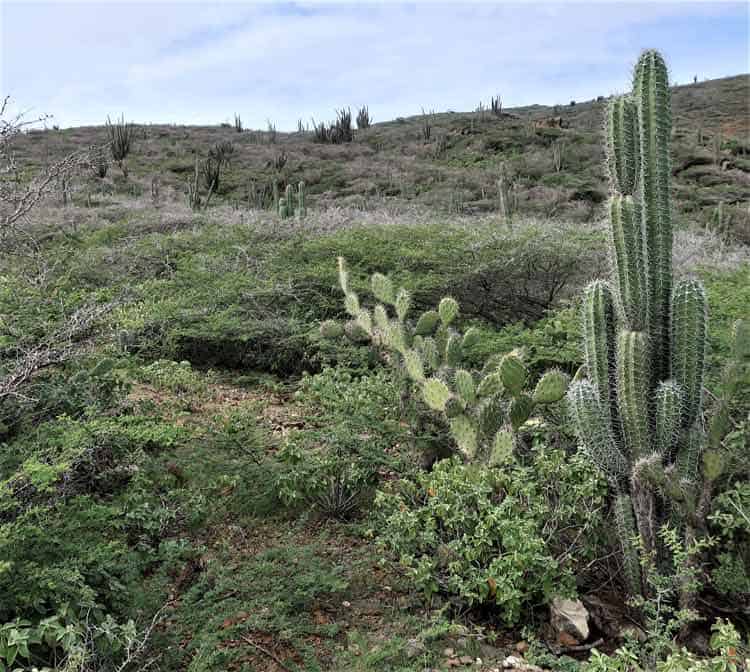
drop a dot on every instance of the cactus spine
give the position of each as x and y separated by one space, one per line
638 414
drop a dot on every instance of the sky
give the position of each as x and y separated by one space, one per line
200 63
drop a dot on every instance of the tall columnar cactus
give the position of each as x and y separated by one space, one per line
652 98
638 413
286 204
301 210
484 410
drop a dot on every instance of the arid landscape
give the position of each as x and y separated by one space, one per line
457 391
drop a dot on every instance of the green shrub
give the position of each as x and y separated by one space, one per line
175 377
729 655
353 434
730 522
481 536
80 522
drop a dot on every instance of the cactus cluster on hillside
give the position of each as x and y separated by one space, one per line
638 412
286 202
484 409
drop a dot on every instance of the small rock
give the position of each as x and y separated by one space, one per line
449 653
571 617
346 604
466 660
414 648
513 663
489 652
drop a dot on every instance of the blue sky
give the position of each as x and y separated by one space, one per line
199 63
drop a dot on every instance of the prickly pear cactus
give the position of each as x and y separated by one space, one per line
484 410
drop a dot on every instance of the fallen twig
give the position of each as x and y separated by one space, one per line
265 651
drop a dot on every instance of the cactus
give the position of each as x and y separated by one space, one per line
481 408
599 340
689 333
622 143
286 203
651 92
667 416
639 414
301 210
551 387
632 392
628 260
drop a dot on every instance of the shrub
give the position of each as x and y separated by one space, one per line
730 522
729 655
481 536
79 524
352 432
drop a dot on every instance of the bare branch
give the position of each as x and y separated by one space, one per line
54 349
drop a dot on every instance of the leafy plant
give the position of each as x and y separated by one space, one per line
335 463
725 643
488 536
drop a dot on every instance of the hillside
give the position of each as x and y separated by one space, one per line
220 451
457 170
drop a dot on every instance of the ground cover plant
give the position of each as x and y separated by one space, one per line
210 461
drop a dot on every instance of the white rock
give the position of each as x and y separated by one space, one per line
570 616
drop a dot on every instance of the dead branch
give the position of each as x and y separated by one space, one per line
56 348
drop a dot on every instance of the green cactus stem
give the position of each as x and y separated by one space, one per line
689 335
551 387
632 391
622 143
301 210
593 427
599 341
628 260
667 416
626 528
651 93
513 373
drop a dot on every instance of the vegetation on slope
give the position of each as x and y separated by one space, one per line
192 477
